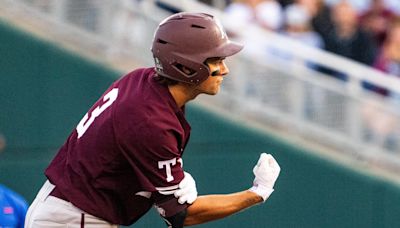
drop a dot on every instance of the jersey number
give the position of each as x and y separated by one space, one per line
85 123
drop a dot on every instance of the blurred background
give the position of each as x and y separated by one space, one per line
317 85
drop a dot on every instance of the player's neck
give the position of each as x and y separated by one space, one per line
182 93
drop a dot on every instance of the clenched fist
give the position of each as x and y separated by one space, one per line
266 172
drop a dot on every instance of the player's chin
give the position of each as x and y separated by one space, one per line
210 93
213 91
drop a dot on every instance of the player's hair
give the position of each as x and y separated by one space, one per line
182 43
164 80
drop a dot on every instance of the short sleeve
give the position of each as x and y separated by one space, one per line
153 152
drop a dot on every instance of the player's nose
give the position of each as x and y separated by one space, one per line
224 68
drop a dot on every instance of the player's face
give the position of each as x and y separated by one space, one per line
218 70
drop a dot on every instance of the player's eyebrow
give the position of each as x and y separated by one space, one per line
214 60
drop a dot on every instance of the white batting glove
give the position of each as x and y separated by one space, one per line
266 172
187 192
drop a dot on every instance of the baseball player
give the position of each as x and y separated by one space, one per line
125 155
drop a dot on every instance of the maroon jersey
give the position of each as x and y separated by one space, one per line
125 154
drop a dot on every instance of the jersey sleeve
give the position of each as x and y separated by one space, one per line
154 153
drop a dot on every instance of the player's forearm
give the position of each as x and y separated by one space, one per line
212 207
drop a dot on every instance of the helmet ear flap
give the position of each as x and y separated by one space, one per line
189 71
184 70
179 69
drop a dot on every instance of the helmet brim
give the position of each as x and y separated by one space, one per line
228 49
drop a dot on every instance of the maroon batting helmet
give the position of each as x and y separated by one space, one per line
188 40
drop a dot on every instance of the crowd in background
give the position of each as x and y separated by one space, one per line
365 31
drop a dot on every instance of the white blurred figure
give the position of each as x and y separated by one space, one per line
269 14
393 5
243 15
265 13
298 26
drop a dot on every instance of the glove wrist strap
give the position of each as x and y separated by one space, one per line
262 191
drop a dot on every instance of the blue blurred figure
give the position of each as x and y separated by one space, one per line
12 205
13 208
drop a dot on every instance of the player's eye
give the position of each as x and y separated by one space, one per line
216 72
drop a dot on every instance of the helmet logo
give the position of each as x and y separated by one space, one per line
158 64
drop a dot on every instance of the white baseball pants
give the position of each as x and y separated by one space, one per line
51 212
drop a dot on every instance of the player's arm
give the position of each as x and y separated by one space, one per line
212 207
207 208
